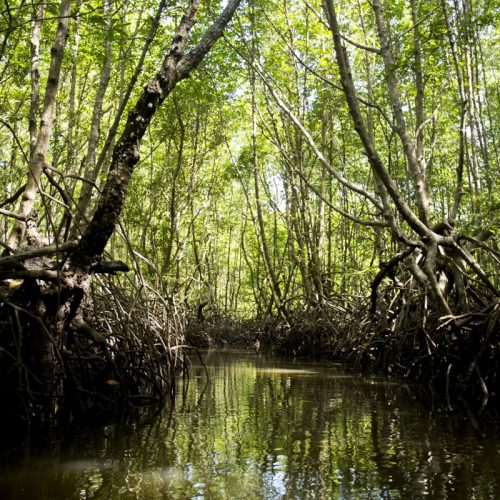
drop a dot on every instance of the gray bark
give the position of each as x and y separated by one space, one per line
376 163
415 162
91 171
38 157
35 74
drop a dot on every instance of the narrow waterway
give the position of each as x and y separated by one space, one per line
265 427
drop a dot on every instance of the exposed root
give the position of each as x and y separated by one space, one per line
227 332
122 350
457 358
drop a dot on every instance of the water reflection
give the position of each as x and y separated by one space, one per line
269 428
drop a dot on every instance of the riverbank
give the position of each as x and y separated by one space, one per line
456 360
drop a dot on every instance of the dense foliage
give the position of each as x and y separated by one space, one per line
318 150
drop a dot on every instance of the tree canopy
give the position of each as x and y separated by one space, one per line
258 159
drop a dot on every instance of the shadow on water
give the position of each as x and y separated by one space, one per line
266 427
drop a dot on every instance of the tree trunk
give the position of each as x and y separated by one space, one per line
90 171
41 146
175 68
35 75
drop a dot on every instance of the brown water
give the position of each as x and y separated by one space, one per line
265 427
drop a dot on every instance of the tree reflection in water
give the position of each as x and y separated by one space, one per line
264 427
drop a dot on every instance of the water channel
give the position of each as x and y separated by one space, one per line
270 428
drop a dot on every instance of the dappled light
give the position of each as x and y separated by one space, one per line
310 178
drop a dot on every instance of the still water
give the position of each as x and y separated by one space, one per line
265 427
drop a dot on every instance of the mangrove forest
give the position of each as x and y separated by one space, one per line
317 179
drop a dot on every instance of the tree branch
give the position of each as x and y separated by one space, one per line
175 67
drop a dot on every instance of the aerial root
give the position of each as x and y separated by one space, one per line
122 351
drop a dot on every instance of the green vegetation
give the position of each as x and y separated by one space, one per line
328 172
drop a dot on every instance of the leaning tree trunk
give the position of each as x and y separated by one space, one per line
44 319
94 165
176 67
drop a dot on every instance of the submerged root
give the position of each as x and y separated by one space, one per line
433 317
457 358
